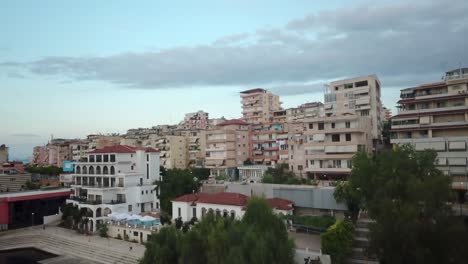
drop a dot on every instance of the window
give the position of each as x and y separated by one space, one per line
135 233
365 113
106 158
194 212
131 167
91 158
129 207
348 164
321 163
98 158
332 125
348 137
147 171
299 167
142 192
348 124
311 126
147 157
312 162
179 211
336 138
112 157
337 163
146 191
321 126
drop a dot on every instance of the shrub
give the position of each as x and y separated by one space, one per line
337 241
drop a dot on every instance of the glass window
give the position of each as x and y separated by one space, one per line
336 138
348 137
112 157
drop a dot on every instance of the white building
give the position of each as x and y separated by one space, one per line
116 179
252 173
222 204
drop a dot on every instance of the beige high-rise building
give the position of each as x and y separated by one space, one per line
360 95
195 147
435 116
258 105
173 150
297 114
227 146
3 154
322 148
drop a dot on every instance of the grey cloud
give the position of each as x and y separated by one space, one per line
403 43
232 39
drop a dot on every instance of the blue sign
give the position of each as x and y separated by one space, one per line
67 166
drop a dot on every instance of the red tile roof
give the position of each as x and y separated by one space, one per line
225 199
123 149
192 197
233 122
281 204
217 198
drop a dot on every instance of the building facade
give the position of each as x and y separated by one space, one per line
116 179
258 105
196 120
360 96
222 204
227 146
173 150
323 148
267 140
3 154
435 116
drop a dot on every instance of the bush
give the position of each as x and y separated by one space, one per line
337 241
103 228
317 222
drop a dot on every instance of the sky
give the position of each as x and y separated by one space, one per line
71 68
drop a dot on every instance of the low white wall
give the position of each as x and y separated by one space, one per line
52 218
138 234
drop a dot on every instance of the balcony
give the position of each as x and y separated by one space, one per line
85 200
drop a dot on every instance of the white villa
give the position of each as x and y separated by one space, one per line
116 179
222 204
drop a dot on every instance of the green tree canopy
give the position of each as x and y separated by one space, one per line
175 182
409 199
260 237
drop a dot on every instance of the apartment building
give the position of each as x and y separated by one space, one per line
40 156
117 179
258 105
58 151
173 150
323 147
195 142
435 116
386 114
297 114
78 149
269 143
196 120
361 96
3 153
227 146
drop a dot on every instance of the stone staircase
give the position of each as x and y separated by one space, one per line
62 246
361 244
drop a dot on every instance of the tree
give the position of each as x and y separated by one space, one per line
260 237
409 199
345 193
175 182
202 174
103 229
337 241
248 162
280 175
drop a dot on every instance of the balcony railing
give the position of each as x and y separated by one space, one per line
85 200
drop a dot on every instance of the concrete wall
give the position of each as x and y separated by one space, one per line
52 218
301 195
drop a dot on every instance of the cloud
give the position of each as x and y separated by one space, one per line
403 43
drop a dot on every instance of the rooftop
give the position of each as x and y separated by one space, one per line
226 198
35 194
233 122
255 90
123 149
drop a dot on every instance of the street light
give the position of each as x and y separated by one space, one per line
32 219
